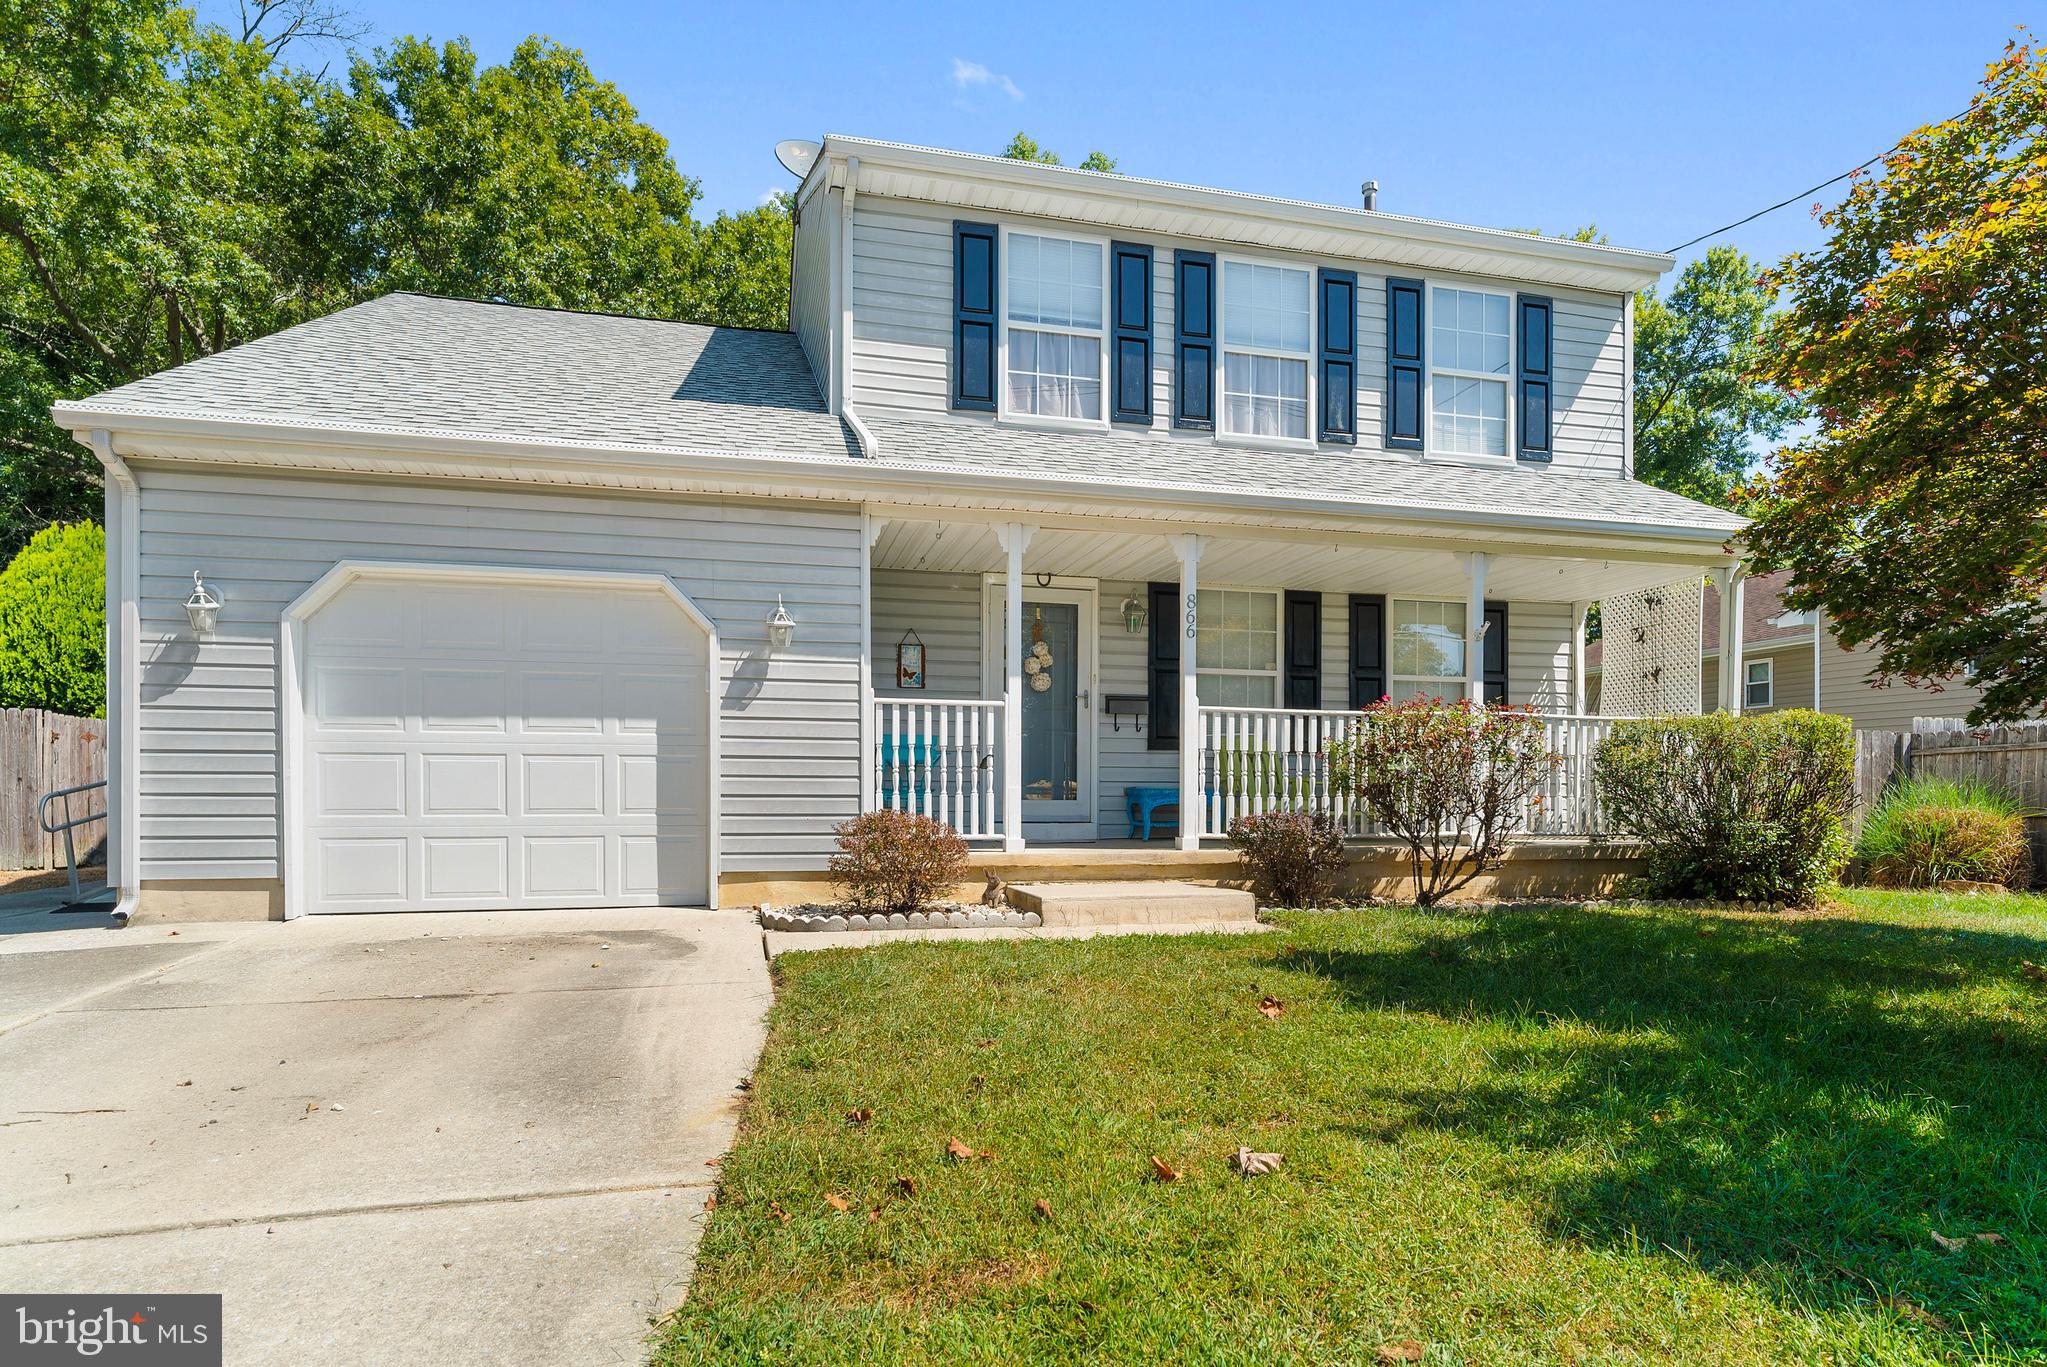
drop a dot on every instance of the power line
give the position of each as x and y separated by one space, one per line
1785 203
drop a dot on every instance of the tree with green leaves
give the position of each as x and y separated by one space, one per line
1916 514
53 622
1024 147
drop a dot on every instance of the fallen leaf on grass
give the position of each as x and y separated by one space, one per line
906 1185
1163 1170
1945 1244
1042 1208
859 1115
1255 1164
1916 1313
713 1162
1407 1350
2033 970
955 1149
711 1202
1271 1007
775 1209
874 1216
1989 1238
837 1202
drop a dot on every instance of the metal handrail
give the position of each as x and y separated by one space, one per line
65 829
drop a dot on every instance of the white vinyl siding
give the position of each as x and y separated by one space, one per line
810 288
944 610
209 729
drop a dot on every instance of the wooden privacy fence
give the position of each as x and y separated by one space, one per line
39 753
2010 756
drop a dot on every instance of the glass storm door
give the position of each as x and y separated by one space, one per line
1056 641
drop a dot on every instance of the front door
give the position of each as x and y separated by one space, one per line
1056 640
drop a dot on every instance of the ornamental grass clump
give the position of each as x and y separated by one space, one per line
1451 780
1293 857
1928 831
896 861
1747 809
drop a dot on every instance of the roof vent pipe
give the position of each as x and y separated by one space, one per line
1370 191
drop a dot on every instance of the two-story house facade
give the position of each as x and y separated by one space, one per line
1065 494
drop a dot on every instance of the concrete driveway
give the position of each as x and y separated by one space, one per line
386 1139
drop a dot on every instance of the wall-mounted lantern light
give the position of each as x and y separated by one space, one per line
781 627
1135 614
203 607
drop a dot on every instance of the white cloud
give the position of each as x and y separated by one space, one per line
966 75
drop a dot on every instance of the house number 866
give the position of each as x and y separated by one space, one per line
1190 616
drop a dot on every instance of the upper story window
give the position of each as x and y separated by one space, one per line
1470 361
1054 290
1268 324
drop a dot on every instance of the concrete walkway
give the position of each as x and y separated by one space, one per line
461 1138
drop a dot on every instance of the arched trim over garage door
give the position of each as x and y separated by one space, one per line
292 805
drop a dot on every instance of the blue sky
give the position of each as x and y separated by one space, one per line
1654 122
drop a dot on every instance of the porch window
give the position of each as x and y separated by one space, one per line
1267 326
1053 343
1470 357
1428 650
1236 648
1760 684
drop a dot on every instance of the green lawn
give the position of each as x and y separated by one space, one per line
1558 1134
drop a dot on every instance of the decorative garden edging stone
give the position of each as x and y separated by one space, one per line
945 916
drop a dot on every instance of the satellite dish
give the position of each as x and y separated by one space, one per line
797 155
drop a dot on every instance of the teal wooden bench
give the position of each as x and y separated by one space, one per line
1143 801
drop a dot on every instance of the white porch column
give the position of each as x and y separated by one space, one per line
1474 628
1188 548
1731 642
1580 610
1723 658
870 794
1012 537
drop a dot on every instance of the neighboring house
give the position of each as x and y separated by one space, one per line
1776 651
1784 665
533 608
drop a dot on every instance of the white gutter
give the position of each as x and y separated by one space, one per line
906 481
124 675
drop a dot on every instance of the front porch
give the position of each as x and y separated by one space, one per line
1223 662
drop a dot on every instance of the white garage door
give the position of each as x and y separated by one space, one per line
479 745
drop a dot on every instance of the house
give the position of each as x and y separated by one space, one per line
1785 662
1062 485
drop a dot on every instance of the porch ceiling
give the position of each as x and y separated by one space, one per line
1330 566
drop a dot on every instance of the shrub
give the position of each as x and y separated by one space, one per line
1450 780
1735 808
53 622
1926 831
1293 857
896 861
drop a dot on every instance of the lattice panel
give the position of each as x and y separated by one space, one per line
1650 656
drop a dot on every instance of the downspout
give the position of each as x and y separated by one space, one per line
842 363
124 691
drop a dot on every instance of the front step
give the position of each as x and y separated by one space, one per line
1150 902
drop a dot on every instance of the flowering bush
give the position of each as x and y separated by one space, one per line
1745 808
1293 857
896 861
1451 780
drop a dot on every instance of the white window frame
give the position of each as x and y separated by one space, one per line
1430 284
1769 682
1278 671
1223 435
1431 685
1101 335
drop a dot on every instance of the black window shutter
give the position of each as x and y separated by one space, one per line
1130 337
1194 340
1404 356
1496 652
1163 668
1535 380
975 294
1367 648
1303 649
1339 357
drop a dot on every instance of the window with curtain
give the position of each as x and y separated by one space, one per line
1268 322
1054 293
1470 358
1428 650
1236 648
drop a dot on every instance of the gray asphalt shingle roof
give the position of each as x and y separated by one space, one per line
451 366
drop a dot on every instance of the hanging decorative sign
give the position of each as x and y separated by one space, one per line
1038 664
910 661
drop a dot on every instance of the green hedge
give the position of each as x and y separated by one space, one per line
1928 830
1747 809
53 622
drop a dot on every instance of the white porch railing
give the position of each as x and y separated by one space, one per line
1261 759
942 760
